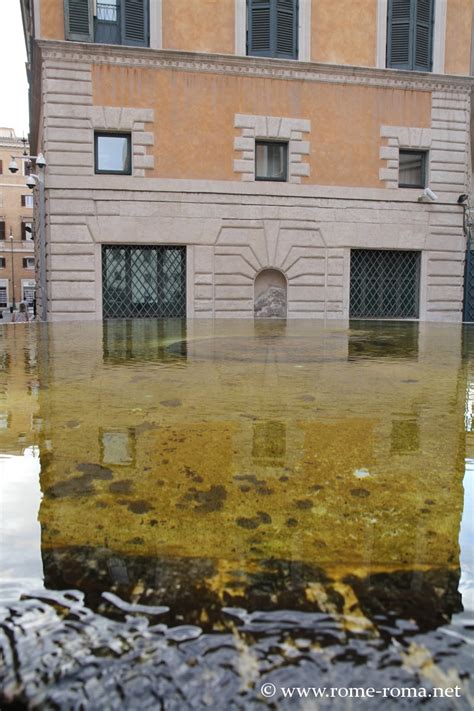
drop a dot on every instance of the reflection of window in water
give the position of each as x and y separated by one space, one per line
469 409
144 340
269 442
370 340
405 436
117 446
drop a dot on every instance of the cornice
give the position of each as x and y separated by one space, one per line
250 66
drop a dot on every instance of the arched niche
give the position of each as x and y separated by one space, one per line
270 294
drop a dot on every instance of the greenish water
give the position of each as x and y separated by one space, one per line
264 466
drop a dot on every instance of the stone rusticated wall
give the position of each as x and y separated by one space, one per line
235 229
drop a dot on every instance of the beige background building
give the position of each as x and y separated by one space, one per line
16 213
340 103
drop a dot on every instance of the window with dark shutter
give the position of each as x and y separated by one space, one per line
135 22
2 230
1 167
272 28
410 34
78 16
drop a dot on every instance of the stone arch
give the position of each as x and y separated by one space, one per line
270 294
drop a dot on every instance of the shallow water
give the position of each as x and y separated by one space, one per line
299 493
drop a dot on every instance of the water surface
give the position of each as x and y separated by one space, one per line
231 469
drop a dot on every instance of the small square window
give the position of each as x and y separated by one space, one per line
27 200
27 231
28 263
271 160
113 153
412 169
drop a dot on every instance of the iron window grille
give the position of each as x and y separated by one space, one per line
111 150
271 161
412 169
143 281
384 283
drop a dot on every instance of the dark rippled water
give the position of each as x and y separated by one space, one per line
193 510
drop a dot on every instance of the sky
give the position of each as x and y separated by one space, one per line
14 95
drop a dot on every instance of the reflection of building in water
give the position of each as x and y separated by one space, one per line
270 447
144 340
20 422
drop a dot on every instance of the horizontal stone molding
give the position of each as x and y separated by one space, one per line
82 54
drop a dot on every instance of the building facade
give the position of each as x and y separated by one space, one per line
234 158
17 253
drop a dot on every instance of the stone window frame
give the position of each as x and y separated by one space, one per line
267 128
127 120
402 138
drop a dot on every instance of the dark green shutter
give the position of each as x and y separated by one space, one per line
423 35
78 20
272 28
259 28
399 42
286 29
135 22
410 34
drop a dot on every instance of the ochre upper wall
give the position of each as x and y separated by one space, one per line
199 25
347 36
458 36
194 119
52 19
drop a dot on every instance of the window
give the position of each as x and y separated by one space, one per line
2 262
27 200
28 293
3 294
1 167
108 21
272 28
28 263
412 169
26 168
113 153
410 34
2 230
27 230
271 160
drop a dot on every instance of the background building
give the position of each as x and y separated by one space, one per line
220 158
17 258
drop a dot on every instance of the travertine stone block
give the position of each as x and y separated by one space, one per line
388 152
143 138
72 290
66 87
243 166
299 169
144 162
244 144
243 121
